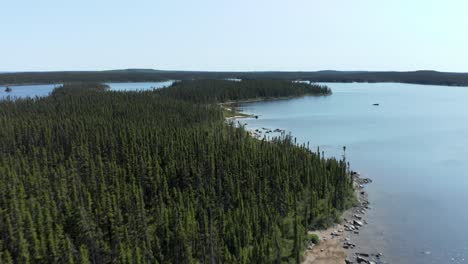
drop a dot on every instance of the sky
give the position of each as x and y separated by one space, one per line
240 35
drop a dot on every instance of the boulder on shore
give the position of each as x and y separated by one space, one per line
360 259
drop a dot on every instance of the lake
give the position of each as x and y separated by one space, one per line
414 146
24 91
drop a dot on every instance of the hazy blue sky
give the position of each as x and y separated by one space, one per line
234 35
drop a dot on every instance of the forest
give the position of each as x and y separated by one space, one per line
219 91
140 75
95 176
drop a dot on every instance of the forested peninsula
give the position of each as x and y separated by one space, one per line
89 175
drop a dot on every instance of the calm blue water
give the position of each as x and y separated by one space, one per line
23 91
415 148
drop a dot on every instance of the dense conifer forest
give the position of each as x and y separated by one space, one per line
95 176
219 91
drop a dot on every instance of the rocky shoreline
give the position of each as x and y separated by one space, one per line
337 243
353 221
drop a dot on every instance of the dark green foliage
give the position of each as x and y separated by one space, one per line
314 238
214 91
79 88
136 177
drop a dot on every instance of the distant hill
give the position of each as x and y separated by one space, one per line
137 75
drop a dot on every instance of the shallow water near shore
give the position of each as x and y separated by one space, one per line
414 145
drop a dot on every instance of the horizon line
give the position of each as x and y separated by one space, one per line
237 71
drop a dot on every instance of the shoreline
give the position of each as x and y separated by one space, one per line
263 99
337 241
232 107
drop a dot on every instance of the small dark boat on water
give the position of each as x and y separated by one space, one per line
375 104
8 89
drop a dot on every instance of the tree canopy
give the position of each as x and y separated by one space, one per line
95 176
219 91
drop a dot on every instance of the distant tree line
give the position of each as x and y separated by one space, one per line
140 75
95 176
